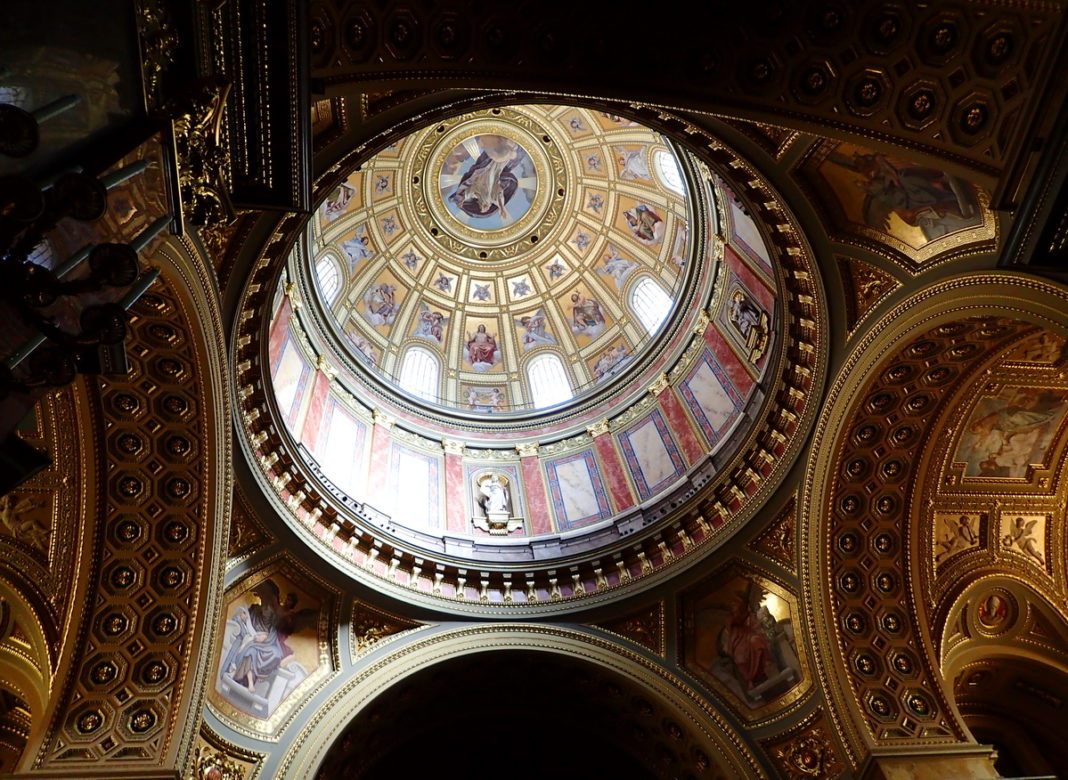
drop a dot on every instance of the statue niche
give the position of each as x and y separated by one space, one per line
493 497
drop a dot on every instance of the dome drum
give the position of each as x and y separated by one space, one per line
446 478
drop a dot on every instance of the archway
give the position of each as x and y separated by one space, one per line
866 610
529 685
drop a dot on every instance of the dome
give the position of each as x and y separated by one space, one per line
520 335
505 261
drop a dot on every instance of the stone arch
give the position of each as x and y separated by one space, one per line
869 623
716 743
25 663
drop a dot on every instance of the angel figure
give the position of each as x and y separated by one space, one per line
430 325
1021 535
535 329
617 266
632 163
960 536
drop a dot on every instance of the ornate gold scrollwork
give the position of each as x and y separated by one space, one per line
159 42
203 160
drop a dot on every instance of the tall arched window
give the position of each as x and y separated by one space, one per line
328 274
419 373
651 303
549 384
668 169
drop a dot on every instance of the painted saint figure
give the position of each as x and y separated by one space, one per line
1008 433
480 349
755 652
632 163
257 649
357 248
381 304
923 197
646 225
430 324
337 201
586 316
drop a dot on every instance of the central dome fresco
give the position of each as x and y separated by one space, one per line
506 261
513 337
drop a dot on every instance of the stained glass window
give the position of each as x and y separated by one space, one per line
329 277
668 169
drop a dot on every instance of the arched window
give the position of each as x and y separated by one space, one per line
328 275
549 384
419 374
668 169
651 303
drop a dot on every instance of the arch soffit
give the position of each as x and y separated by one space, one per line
866 713
27 674
431 646
183 356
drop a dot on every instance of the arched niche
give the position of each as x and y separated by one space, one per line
869 622
648 708
1014 701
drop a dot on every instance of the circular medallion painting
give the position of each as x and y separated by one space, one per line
487 182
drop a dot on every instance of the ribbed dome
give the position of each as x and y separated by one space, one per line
506 260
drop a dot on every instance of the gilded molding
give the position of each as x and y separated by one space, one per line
728 747
997 295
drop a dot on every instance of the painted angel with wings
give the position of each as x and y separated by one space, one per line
535 329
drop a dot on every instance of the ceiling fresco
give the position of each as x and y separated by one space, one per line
427 250
901 208
496 237
996 502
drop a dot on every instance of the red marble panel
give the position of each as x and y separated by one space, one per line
615 476
378 470
732 364
538 515
279 327
455 517
681 426
754 283
313 420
